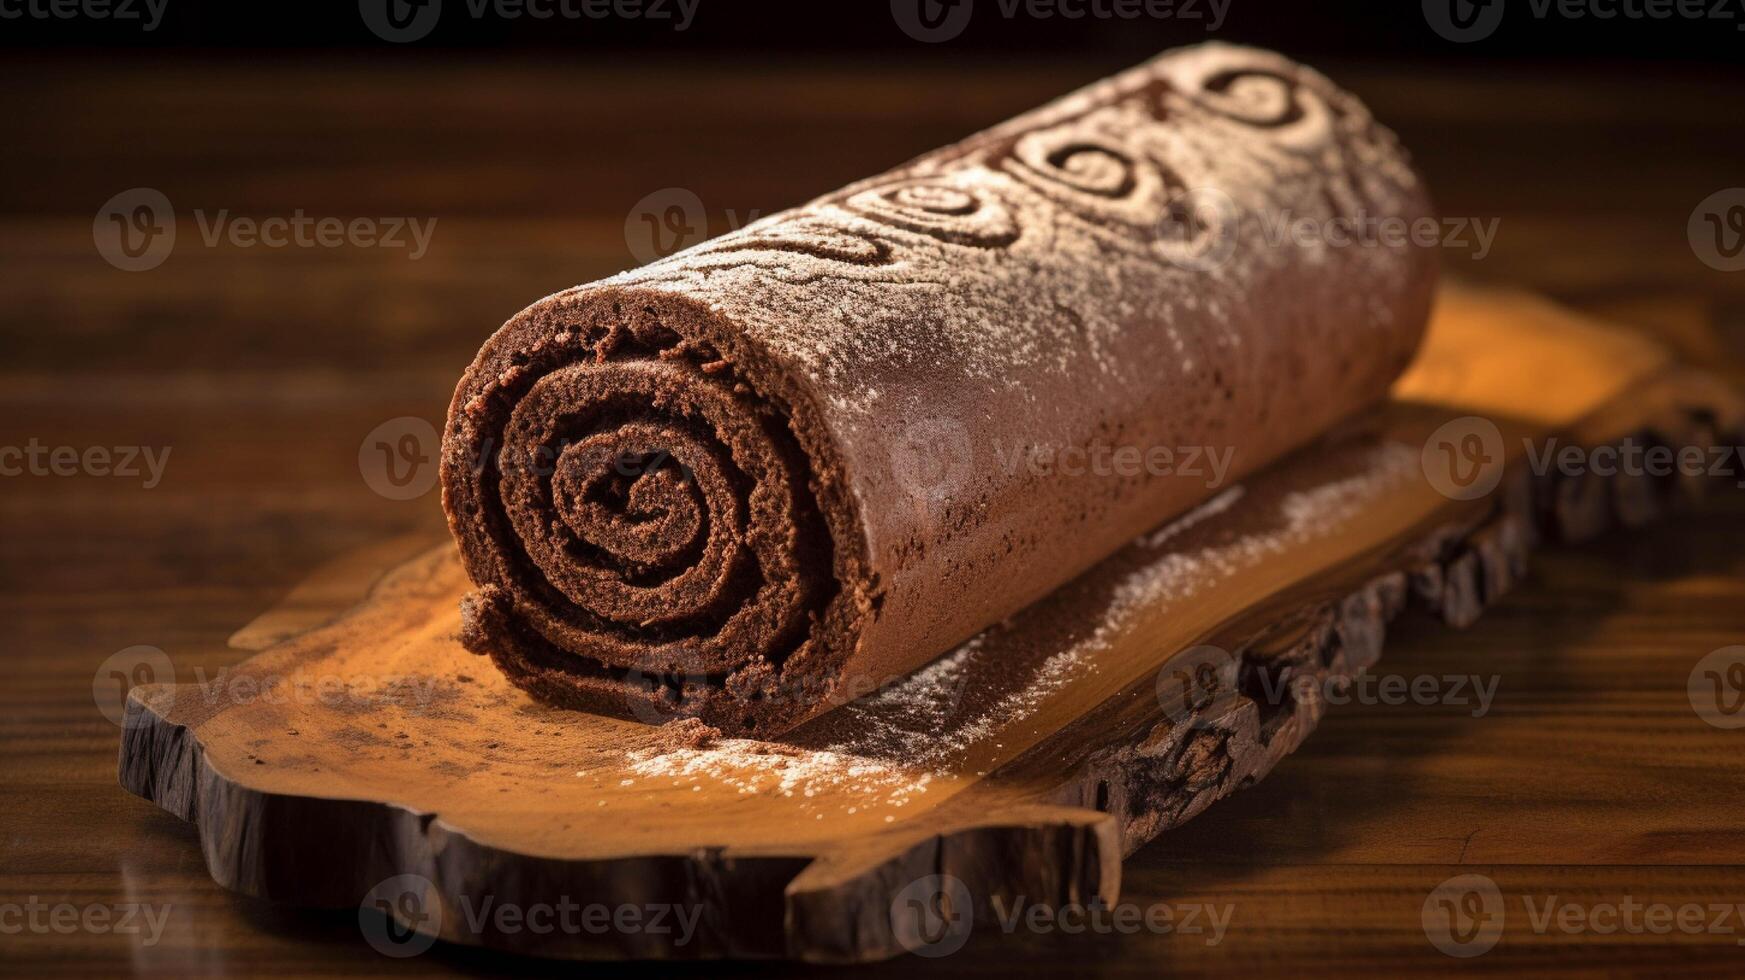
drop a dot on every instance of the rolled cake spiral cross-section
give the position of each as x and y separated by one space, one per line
769 473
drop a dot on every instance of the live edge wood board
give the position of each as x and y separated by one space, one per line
354 750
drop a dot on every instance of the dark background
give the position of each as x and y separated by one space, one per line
1394 30
534 143
531 141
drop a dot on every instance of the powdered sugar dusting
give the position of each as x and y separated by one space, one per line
925 700
909 736
916 722
753 768
1307 516
1211 508
912 273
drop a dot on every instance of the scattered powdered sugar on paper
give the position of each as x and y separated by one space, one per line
1308 516
908 734
754 767
922 701
914 720
881 764
1211 508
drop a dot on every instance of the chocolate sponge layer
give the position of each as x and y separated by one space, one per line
771 472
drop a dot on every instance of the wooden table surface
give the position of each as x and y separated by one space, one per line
261 370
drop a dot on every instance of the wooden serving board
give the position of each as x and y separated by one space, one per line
373 748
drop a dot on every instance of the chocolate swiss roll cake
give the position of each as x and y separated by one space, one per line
767 474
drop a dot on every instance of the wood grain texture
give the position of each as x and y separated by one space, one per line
1128 703
1590 777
